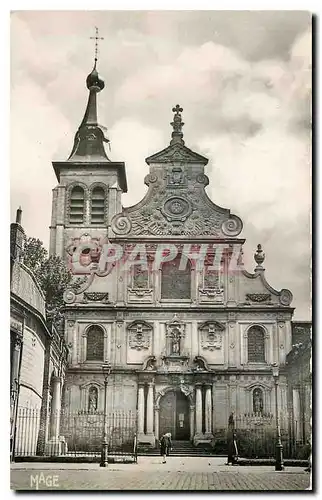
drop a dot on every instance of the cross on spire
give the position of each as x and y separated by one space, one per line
96 38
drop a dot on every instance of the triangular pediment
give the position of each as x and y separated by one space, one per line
177 152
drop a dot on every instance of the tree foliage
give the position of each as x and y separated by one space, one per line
34 254
51 274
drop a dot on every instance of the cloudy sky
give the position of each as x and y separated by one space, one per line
243 80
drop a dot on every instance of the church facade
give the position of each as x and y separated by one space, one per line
190 334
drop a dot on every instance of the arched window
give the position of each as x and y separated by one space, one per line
256 344
76 209
258 401
98 205
176 283
95 344
92 399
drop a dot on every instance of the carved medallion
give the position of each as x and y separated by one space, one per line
69 297
286 297
176 208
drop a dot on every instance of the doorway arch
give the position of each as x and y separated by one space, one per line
174 414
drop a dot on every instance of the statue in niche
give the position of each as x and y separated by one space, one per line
175 342
92 399
257 401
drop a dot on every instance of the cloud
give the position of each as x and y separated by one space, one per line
243 79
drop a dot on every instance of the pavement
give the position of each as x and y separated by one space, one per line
179 473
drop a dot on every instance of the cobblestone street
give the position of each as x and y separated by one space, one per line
191 474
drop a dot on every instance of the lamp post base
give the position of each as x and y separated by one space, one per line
104 455
279 465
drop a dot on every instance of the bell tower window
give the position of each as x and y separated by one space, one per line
76 209
98 206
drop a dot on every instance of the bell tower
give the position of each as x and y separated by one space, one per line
90 184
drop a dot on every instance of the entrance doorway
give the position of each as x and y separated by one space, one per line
174 415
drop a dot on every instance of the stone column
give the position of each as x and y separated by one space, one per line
198 410
149 413
141 409
192 421
208 411
55 408
14 388
297 414
56 444
156 422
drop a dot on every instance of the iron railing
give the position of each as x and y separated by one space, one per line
256 437
80 433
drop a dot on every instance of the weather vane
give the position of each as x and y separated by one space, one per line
96 38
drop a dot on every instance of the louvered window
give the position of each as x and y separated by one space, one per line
98 206
76 209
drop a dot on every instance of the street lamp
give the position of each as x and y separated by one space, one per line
106 368
279 465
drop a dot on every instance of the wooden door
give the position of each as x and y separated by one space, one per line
168 413
174 415
182 417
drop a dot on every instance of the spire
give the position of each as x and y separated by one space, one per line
89 138
177 124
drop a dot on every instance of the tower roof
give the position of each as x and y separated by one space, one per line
89 138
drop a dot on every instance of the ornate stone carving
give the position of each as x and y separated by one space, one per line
176 178
259 297
232 226
175 363
96 296
69 297
140 292
259 257
139 334
202 179
201 364
286 297
150 363
176 209
121 224
211 335
215 295
176 153
150 179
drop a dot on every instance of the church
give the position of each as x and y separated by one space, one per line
191 336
